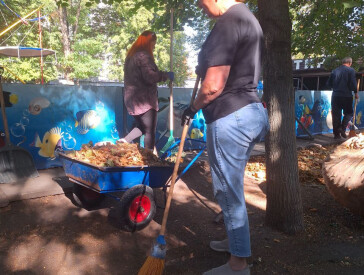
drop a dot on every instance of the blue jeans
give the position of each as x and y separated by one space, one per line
230 141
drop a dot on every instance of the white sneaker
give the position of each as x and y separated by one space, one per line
220 246
122 140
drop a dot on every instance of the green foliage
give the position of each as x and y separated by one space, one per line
86 60
328 28
331 63
28 69
104 33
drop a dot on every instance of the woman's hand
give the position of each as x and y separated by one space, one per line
170 76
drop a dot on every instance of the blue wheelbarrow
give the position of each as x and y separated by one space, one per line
91 184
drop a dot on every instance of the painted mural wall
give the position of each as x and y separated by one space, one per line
313 109
48 118
44 119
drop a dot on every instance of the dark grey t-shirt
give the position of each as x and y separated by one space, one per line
235 40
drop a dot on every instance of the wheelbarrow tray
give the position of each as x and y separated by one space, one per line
114 179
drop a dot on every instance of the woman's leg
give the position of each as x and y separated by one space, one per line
145 125
148 123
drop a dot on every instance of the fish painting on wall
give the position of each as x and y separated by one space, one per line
10 99
37 104
50 141
86 120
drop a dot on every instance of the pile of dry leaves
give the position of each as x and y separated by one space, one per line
309 164
120 154
356 142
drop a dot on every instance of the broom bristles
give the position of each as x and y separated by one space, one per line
152 266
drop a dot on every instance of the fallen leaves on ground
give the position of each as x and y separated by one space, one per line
309 164
356 142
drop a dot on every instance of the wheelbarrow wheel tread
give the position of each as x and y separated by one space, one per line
86 197
137 208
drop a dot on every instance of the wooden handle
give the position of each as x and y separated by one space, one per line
176 165
171 120
356 101
5 120
195 88
358 85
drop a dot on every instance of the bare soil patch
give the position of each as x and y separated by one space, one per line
51 235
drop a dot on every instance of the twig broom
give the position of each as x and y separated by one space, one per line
154 265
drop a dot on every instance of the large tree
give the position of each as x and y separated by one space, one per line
82 47
284 205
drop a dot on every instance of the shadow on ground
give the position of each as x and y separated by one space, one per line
51 235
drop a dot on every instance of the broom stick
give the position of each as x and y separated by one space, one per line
170 140
352 132
154 264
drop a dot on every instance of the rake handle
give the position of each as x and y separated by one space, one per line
5 120
176 165
170 81
356 101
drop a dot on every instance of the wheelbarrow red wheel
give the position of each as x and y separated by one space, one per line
86 197
137 207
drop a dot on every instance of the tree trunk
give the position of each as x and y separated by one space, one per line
75 28
284 205
62 14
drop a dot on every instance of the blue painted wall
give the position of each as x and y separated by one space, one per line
313 109
45 118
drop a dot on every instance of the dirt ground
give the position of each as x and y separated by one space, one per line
51 235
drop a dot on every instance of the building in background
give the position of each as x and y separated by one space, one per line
310 76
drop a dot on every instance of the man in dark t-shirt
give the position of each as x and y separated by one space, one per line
235 40
342 81
229 65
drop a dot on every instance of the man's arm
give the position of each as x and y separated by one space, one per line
352 82
212 86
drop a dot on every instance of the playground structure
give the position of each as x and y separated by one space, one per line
22 51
